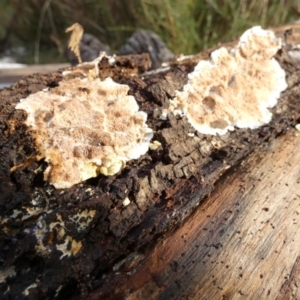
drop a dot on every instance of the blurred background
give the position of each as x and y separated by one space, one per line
33 31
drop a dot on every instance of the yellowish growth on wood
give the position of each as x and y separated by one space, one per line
76 34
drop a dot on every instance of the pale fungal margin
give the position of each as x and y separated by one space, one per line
90 69
85 127
233 88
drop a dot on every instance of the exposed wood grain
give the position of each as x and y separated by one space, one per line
241 243
291 287
83 243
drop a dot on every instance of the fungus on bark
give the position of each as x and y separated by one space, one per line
86 127
233 88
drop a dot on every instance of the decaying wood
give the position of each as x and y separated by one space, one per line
241 243
63 244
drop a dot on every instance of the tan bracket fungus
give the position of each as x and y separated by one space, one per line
233 88
85 127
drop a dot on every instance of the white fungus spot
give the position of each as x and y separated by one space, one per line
83 219
26 292
86 127
154 145
65 243
69 247
126 201
233 88
7 273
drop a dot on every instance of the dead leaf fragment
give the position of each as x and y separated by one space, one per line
76 34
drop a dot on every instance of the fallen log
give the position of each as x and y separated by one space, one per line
241 242
71 243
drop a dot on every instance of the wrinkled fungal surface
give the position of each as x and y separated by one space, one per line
233 88
86 127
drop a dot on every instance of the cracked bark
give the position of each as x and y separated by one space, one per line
89 221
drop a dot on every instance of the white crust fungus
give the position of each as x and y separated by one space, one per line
154 145
233 88
85 127
90 69
126 201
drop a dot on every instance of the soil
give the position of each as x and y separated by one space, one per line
61 244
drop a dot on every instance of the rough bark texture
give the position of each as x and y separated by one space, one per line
63 244
242 242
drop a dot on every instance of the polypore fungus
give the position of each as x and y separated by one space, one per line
233 88
85 127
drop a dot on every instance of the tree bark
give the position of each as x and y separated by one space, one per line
83 242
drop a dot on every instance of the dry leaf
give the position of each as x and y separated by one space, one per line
75 38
